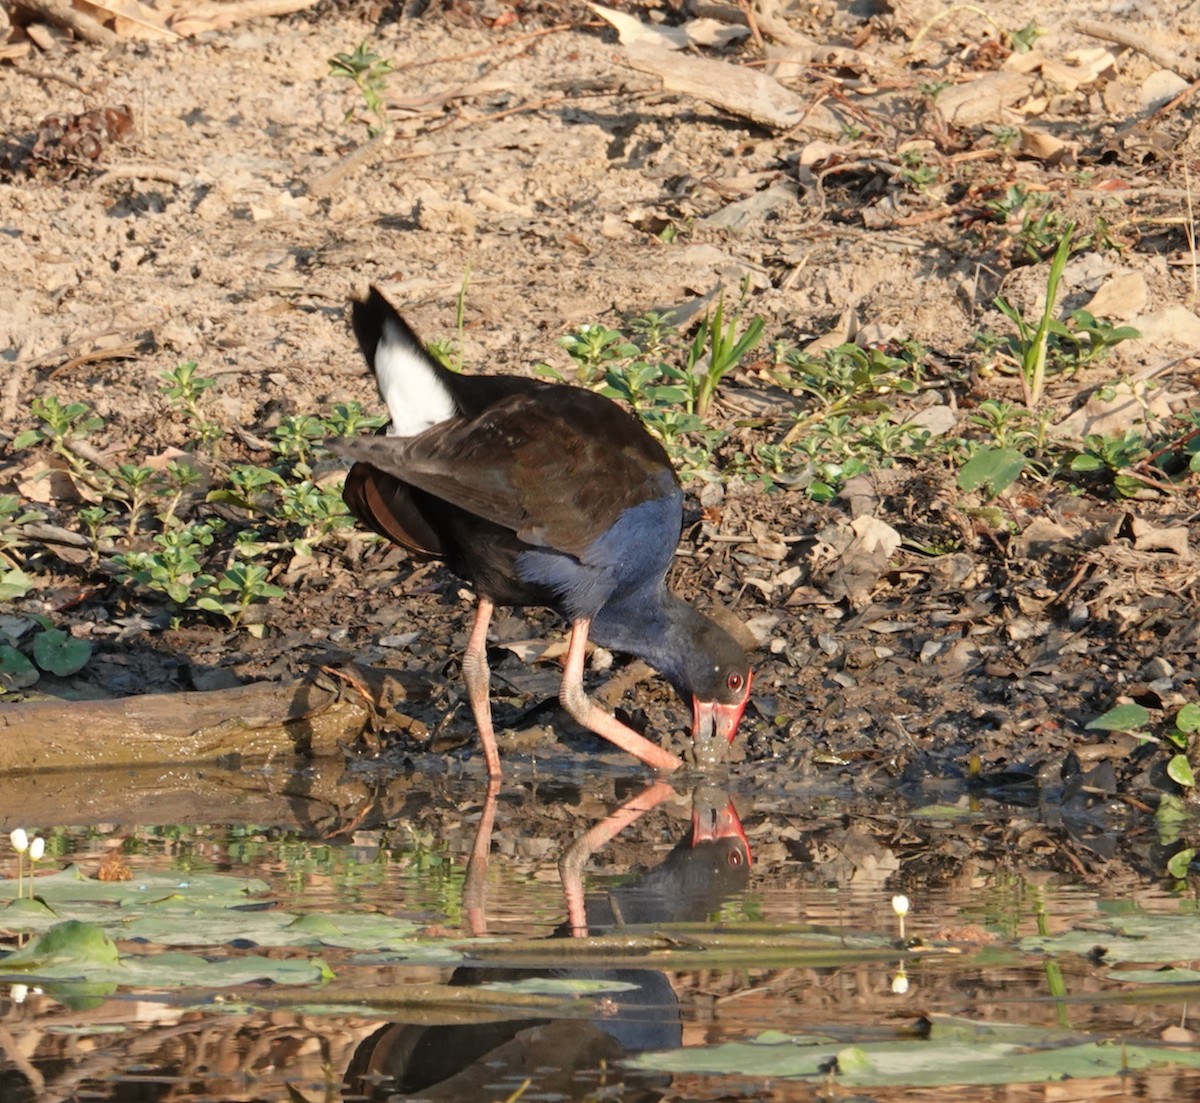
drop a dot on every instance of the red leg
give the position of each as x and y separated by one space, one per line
478 678
594 718
570 865
474 895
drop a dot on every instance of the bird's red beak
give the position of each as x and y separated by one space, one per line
714 725
710 826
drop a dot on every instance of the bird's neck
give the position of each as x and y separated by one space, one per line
657 627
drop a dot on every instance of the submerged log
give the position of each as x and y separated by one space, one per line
316 716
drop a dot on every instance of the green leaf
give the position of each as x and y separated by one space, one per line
1122 718
16 671
1179 770
26 439
994 469
1188 719
14 584
1177 867
57 652
953 1053
72 943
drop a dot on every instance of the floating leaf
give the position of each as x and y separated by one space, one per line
954 1053
57 652
71 943
1122 718
1178 866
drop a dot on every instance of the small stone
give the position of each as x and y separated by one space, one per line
827 643
1156 668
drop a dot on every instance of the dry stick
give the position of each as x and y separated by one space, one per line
145 172
771 20
61 14
1160 55
1170 105
751 22
116 352
45 74
328 181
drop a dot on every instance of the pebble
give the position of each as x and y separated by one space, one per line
1157 668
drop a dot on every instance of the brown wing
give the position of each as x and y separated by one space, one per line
384 504
557 467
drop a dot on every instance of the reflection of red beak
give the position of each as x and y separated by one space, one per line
709 826
714 725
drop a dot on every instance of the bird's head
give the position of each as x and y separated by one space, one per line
720 687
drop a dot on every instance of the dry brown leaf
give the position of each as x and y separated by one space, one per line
219 16
976 102
128 18
1122 296
1042 146
1148 537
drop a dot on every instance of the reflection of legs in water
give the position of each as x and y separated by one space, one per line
570 865
474 896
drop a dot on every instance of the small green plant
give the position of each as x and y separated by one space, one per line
136 485
915 171
654 333
368 72
178 478
593 347
715 351
991 470
1022 41
1007 138
1030 346
347 419
1089 339
238 587
174 568
186 391
60 425
95 519
843 380
1108 459
450 353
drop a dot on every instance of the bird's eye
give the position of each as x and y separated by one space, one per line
734 858
735 682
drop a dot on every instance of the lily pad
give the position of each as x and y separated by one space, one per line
1144 938
953 1053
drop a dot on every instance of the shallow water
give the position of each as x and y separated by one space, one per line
812 944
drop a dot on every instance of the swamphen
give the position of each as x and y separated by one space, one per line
540 494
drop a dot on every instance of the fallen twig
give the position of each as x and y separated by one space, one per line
163 173
1122 36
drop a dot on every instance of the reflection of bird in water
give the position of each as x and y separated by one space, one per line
485 1061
